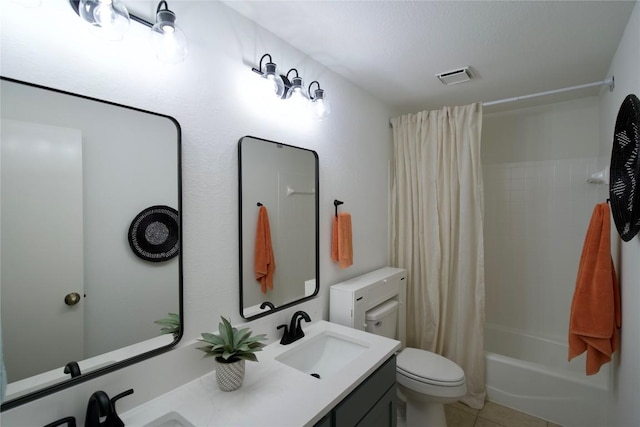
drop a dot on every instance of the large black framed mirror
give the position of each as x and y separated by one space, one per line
278 193
89 229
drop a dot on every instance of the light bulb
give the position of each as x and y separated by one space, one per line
320 105
169 41
109 19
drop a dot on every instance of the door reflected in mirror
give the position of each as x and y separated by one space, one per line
89 227
279 263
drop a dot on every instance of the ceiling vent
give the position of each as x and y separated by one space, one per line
454 77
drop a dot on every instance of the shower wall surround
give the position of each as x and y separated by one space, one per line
536 216
537 209
207 94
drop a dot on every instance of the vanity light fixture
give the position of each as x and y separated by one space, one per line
273 81
169 41
290 88
110 19
319 103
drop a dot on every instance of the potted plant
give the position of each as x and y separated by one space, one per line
230 348
170 325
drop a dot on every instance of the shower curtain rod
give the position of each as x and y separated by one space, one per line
607 82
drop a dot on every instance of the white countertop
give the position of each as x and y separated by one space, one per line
272 394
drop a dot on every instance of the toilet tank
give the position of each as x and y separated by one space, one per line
383 319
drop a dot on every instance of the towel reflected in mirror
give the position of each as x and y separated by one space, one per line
264 261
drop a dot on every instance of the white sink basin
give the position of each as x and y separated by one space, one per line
322 355
171 419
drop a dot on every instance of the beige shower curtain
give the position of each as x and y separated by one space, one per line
437 235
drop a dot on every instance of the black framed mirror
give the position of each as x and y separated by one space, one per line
279 225
90 266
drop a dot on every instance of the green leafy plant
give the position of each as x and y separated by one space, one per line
230 344
170 325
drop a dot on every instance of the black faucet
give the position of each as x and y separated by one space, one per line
101 406
294 331
73 369
267 304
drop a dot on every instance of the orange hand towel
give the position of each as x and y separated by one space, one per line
341 242
264 262
595 309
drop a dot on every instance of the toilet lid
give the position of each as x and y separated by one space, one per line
429 367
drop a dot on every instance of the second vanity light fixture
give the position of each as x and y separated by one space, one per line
110 19
292 89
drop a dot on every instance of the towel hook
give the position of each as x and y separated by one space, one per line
258 204
337 203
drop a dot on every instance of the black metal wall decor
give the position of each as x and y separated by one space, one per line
154 234
624 177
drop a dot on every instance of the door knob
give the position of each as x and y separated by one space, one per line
72 299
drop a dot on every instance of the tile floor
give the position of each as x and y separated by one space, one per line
492 415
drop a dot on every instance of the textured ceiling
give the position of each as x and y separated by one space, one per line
393 49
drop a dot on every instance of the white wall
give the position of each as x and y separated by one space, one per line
625 66
207 94
537 209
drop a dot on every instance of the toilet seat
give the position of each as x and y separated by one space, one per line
429 368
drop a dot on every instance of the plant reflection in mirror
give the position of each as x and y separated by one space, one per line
170 325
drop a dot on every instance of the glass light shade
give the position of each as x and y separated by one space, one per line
296 96
320 105
169 41
273 83
109 19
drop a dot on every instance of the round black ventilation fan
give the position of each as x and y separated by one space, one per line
624 178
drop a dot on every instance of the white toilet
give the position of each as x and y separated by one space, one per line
375 302
426 380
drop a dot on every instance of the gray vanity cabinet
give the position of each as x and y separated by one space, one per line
372 404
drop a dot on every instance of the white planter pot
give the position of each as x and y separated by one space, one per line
229 376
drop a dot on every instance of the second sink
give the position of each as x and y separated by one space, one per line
322 355
171 419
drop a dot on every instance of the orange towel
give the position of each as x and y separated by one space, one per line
595 310
341 242
264 262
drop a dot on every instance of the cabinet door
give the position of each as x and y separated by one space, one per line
357 405
383 414
325 422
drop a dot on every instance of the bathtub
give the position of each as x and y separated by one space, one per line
531 374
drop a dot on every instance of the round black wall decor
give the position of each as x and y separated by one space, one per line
624 177
154 234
